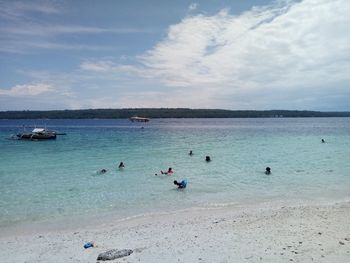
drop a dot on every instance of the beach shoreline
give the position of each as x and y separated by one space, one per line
264 233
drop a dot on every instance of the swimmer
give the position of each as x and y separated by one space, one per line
170 171
267 170
121 165
191 153
181 185
102 171
207 158
323 141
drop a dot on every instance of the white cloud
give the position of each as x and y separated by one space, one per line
291 55
284 48
53 30
99 66
23 31
15 10
109 67
45 7
27 90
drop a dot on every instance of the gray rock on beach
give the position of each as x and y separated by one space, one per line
114 254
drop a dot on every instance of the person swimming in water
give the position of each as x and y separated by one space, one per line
207 158
181 185
102 171
121 165
170 171
267 170
191 153
323 141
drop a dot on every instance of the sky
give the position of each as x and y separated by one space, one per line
234 54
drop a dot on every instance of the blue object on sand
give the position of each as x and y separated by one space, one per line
88 244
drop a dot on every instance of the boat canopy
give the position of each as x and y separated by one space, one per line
38 130
140 119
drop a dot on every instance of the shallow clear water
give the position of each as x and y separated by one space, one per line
43 180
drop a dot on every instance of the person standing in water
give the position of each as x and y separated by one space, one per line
267 170
191 153
207 158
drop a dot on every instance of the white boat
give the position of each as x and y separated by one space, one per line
139 119
37 134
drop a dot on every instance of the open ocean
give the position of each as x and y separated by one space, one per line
58 179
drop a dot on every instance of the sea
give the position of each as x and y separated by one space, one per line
43 181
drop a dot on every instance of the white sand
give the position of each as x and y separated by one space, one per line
229 234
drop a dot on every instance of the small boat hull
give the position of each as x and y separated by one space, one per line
35 136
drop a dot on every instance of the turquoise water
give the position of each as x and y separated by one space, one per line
45 180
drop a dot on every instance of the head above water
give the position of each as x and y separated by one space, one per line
207 158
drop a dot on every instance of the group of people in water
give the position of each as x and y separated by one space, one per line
182 184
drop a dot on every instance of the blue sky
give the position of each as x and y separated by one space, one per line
280 54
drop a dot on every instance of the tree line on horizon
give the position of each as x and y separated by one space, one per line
163 113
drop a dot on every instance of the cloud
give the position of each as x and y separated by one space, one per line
44 7
289 55
23 31
64 46
27 90
54 30
99 66
110 67
14 10
29 46
23 39
278 49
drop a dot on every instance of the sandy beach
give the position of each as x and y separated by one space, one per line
260 233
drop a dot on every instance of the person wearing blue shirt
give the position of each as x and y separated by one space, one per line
181 185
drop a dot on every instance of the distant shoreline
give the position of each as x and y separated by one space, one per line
166 113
